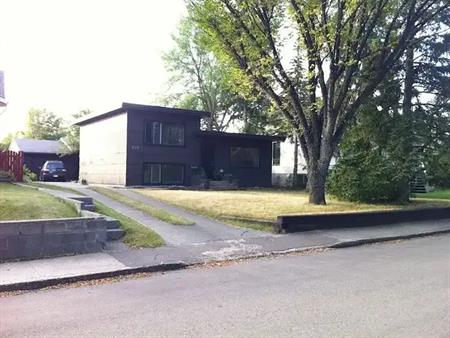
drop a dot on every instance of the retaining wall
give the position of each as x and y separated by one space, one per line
297 223
32 239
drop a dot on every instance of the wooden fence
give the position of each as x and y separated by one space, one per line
12 162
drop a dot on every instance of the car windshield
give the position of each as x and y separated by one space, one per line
55 165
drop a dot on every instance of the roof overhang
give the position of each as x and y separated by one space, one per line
219 134
130 107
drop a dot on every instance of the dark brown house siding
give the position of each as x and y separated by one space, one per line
139 152
216 152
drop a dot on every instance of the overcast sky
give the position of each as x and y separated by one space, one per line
68 55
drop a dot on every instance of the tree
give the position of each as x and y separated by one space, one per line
375 163
203 84
71 139
44 125
348 47
4 144
403 129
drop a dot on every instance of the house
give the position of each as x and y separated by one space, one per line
37 152
152 145
283 160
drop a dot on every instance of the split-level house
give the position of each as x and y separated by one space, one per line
151 145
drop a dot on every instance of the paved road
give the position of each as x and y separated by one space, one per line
385 290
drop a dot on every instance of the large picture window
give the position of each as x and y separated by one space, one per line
163 173
161 133
244 157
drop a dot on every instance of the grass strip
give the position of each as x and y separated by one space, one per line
145 208
443 194
136 234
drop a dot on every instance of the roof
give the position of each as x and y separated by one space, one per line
239 135
130 107
36 146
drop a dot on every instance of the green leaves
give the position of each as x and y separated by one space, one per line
44 125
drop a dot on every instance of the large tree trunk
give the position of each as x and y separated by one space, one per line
295 169
317 165
317 176
407 112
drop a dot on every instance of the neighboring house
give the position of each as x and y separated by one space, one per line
151 145
37 152
283 164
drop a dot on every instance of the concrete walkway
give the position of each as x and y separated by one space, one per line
204 224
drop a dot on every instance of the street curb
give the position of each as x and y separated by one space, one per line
40 284
359 242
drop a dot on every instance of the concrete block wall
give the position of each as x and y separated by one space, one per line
33 239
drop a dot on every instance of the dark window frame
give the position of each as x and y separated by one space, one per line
244 166
276 160
148 133
161 164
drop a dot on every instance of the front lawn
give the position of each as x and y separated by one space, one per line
244 207
136 234
443 194
20 203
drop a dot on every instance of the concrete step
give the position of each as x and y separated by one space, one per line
114 234
84 199
89 207
112 223
224 185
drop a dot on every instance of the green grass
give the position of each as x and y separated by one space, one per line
136 234
54 187
254 208
21 203
145 208
443 194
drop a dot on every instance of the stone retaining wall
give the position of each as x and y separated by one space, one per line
32 239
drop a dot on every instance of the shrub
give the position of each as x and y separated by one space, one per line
370 178
28 175
438 169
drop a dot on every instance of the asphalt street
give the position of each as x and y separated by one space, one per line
396 289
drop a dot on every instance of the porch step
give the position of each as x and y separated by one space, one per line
223 185
418 185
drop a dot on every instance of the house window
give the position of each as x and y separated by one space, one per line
244 157
276 153
161 133
163 173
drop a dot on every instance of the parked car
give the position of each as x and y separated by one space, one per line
53 171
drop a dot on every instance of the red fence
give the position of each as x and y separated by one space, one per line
12 162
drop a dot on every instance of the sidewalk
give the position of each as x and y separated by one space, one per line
118 259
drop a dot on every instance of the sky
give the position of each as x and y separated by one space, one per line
69 55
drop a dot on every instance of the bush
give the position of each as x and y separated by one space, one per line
28 175
369 177
438 169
